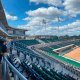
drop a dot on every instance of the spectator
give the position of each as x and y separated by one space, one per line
3 49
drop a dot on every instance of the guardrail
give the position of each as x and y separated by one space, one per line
6 65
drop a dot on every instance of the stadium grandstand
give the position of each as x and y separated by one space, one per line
6 30
41 57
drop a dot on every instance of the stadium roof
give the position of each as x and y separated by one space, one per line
4 21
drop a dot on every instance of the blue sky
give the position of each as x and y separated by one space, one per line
29 14
18 8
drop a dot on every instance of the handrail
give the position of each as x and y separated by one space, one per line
16 72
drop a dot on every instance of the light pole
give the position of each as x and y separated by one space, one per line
58 28
44 22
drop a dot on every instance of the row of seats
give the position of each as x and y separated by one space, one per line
53 54
34 72
28 42
49 74
55 46
49 50
44 73
65 44
49 40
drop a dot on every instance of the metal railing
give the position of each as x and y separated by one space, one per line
6 65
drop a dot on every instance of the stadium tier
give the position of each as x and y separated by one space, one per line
49 40
47 49
28 42
55 46
50 52
38 73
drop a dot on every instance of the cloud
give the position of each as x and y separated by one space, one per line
36 17
49 2
45 12
10 17
69 29
50 15
36 26
72 7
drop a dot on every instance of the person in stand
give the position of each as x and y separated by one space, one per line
3 49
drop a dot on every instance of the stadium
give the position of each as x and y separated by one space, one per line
38 57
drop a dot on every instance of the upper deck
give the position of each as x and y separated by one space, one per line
10 31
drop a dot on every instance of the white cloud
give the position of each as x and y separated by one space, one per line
71 29
36 17
72 7
49 2
10 17
50 12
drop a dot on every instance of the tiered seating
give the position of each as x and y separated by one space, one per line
26 70
47 40
28 42
44 74
61 76
49 50
51 74
55 46
40 73
64 44
37 73
77 43
23 48
32 71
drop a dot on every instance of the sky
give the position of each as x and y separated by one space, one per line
44 17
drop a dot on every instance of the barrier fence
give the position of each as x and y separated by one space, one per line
5 69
